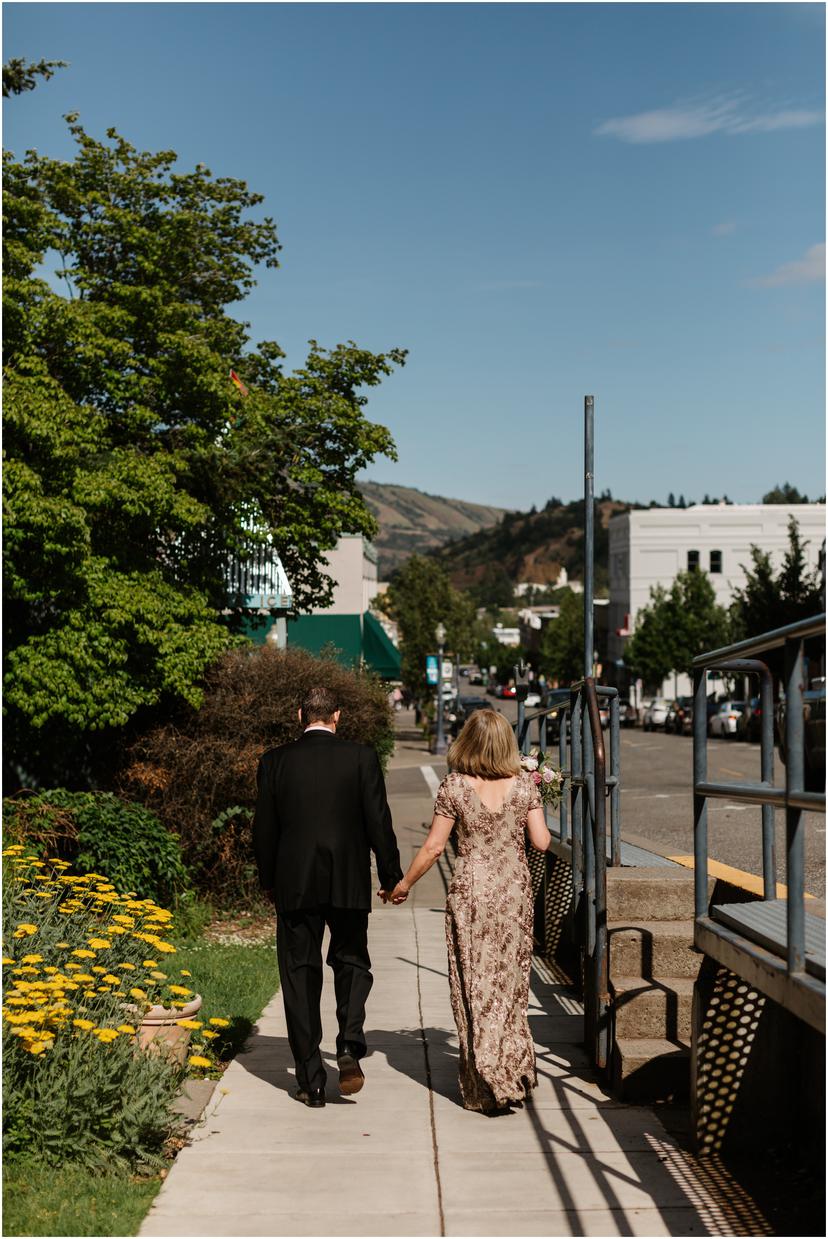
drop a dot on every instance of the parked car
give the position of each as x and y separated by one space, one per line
475 677
533 697
723 722
749 724
679 719
656 714
813 711
627 712
507 690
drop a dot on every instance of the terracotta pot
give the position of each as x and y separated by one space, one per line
160 1030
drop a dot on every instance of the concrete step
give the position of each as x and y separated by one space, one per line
650 1069
652 949
660 893
652 1008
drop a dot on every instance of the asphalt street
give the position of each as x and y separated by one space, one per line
657 801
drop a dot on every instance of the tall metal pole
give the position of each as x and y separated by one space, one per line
589 529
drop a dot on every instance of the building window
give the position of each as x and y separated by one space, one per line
692 560
715 561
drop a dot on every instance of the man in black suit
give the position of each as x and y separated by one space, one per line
321 809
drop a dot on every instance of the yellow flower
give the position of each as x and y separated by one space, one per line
115 929
8 960
166 947
85 977
97 968
82 953
105 1035
37 1047
188 1023
209 1034
62 944
129 967
100 944
219 1022
74 967
32 959
50 969
158 976
195 1060
111 980
179 989
185 972
25 930
85 1024
126 1028
137 993
150 963
123 919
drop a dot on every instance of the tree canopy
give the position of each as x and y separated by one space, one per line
678 624
419 597
134 468
562 643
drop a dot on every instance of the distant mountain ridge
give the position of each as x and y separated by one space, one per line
412 522
534 546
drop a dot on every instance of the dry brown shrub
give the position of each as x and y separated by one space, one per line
199 776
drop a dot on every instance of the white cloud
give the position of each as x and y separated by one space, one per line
725 229
696 119
805 270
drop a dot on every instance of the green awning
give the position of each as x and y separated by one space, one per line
378 650
356 638
316 632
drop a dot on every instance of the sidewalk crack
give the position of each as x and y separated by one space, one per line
434 1148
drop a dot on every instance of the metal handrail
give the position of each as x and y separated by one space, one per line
793 797
596 906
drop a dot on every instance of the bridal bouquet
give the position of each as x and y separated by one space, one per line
548 776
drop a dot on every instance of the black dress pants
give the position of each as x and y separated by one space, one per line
299 951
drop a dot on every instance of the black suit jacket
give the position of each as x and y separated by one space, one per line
321 808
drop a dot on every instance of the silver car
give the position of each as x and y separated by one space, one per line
656 714
725 719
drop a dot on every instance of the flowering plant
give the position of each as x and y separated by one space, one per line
548 777
82 964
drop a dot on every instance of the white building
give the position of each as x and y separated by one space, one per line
651 547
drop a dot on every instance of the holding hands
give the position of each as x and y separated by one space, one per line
398 895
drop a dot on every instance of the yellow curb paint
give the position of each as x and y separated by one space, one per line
736 877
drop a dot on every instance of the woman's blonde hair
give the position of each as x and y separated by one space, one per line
486 747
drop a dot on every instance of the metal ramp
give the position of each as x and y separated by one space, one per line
765 922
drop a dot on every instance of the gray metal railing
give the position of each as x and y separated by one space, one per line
589 847
741 658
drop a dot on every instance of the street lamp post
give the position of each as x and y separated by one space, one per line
440 745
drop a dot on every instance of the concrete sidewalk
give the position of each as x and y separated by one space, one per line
403 1157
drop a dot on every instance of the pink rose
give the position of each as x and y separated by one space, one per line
536 776
548 775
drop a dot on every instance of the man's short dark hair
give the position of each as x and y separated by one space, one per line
319 705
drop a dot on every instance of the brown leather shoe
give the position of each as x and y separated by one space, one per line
351 1075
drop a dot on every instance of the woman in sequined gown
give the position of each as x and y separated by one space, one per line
493 805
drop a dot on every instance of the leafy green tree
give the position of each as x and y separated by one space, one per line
419 598
562 642
769 601
135 470
696 621
784 494
648 652
677 625
20 75
495 587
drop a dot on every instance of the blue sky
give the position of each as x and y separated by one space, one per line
539 201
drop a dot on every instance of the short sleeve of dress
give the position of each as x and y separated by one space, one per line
444 800
535 801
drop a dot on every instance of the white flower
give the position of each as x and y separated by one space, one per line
529 763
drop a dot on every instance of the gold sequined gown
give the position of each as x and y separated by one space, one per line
489 919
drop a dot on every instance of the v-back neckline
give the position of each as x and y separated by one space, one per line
481 801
